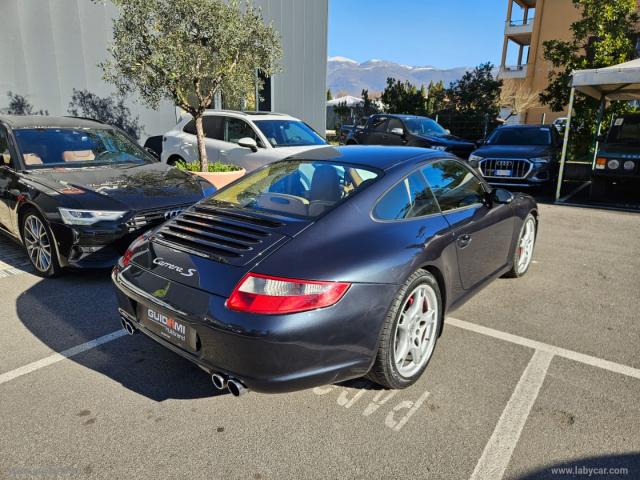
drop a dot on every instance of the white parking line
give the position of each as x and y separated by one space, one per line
545 347
497 453
56 357
573 192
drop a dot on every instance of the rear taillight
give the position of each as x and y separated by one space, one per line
125 260
273 295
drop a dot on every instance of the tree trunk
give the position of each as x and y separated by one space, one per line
202 151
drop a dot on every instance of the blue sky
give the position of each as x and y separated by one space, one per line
441 33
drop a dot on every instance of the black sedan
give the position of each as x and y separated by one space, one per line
76 192
409 131
330 265
520 156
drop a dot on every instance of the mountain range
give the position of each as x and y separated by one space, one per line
346 75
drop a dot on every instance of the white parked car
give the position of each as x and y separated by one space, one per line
247 139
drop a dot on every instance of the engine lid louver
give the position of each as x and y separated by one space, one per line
224 234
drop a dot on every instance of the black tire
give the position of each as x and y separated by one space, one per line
514 272
173 159
599 189
53 269
384 371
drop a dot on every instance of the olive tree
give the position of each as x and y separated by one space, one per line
189 51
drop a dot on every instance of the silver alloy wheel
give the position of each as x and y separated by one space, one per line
416 331
37 242
525 247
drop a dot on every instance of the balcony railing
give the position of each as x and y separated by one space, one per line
519 27
513 71
521 23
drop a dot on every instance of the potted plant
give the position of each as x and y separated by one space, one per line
219 174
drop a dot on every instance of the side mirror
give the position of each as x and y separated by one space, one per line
501 196
397 131
153 153
248 142
480 142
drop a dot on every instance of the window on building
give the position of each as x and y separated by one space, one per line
264 93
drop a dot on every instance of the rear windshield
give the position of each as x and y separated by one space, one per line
521 136
300 188
625 130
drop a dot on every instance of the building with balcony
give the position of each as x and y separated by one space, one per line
529 24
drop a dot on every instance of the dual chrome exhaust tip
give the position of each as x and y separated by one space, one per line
127 323
220 381
236 388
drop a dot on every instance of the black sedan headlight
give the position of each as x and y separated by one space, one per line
72 216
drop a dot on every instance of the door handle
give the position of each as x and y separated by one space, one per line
464 241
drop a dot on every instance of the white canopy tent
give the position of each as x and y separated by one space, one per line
347 100
619 82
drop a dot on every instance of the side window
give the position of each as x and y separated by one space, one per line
213 127
410 198
395 123
235 129
379 124
5 154
453 184
190 127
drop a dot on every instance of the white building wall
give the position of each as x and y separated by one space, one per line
300 90
50 47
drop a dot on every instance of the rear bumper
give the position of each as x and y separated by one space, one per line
267 353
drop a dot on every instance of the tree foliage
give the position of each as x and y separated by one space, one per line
436 99
603 36
188 51
19 105
404 97
369 106
517 97
111 110
473 102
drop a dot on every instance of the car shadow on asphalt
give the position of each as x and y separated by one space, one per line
604 467
81 306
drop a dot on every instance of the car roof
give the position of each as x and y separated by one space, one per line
45 121
399 115
251 115
540 125
373 156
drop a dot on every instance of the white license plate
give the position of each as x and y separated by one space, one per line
503 173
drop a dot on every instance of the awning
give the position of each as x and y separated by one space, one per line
619 82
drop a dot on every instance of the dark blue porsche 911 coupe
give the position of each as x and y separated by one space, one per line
330 265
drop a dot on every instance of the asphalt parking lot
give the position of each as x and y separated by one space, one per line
532 375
